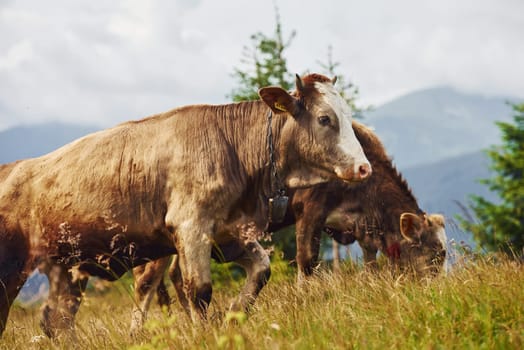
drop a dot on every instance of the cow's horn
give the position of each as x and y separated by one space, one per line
334 80
299 83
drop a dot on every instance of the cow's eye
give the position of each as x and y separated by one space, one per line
324 120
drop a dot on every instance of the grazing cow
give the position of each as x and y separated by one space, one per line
381 214
180 182
394 225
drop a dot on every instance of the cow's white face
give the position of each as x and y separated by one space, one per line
318 143
347 141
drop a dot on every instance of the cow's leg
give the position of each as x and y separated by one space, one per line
175 275
162 295
308 233
255 262
194 251
147 278
14 256
65 296
176 278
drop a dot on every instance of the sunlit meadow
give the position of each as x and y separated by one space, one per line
478 305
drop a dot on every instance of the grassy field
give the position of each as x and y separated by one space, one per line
479 305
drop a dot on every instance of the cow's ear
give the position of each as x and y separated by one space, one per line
279 100
411 226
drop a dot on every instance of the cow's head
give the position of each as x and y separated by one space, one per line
423 249
317 142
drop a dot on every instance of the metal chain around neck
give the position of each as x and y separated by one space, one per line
276 185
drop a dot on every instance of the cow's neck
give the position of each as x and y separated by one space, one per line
245 128
396 200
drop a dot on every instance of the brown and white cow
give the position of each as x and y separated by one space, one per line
381 213
177 182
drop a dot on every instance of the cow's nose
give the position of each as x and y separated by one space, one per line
364 171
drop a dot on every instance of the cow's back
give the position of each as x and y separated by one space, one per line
94 174
121 179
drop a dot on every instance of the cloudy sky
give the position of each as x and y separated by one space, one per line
102 62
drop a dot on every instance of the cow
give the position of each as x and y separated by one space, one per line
179 182
382 214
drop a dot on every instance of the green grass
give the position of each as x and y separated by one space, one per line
479 305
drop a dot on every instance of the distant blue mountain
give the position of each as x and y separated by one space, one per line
36 140
438 123
446 186
35 290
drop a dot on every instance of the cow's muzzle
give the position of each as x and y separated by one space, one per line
357 173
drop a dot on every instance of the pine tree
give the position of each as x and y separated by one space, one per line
500 226
266 64
263 64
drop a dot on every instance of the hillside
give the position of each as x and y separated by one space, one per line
35 140
438 123
440 185
445 186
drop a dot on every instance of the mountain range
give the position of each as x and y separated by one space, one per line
445 187
433 124
28 141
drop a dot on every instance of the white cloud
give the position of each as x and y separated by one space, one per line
134 23
106 62
16 55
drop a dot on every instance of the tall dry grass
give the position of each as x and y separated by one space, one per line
479 305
